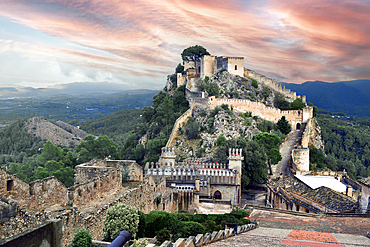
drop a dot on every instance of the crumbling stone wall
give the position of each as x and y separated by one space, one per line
143 198
82 194
35 195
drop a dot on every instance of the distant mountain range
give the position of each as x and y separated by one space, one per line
348 97
76 88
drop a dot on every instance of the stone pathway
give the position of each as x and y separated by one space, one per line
279 229
285 152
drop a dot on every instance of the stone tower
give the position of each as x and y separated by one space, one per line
168 156
235 162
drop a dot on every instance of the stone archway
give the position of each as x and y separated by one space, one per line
298 126
217 195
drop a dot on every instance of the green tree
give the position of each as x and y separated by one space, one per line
179 68
280 102
284 126
315 109
92 148
270 142
49 152
255 164
193 53
298 104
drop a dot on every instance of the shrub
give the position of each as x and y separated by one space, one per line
163 235
225 107
156 221
82 238
142 225
206 79
192 129
254 83
118 218
190 228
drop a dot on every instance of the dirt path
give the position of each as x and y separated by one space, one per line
285 152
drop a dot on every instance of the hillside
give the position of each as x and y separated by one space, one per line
348 97
57 135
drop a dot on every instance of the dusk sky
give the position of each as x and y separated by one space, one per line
138 43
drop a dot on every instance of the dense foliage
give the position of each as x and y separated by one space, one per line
255 166
346 147
156 125
184 225
118 218
116 124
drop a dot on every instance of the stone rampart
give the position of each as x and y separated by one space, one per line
82 194
180 122
271 83
35 195
295 117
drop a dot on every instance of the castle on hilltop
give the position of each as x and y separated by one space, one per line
210 65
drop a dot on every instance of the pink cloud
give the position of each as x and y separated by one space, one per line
290 40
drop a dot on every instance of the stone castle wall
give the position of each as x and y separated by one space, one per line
266 112
82 194
180 122
37 194
273 85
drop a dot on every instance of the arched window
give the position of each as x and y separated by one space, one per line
217 195
298 127
236 67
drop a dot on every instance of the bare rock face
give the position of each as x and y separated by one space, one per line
315 136
49 131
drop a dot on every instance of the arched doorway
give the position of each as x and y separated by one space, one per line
217 195
298 126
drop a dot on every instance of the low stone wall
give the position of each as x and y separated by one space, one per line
22 221
204 239
48 233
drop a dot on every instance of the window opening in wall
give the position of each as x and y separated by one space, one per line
9 185
297 208
31 190
298 126
236 67
217 195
